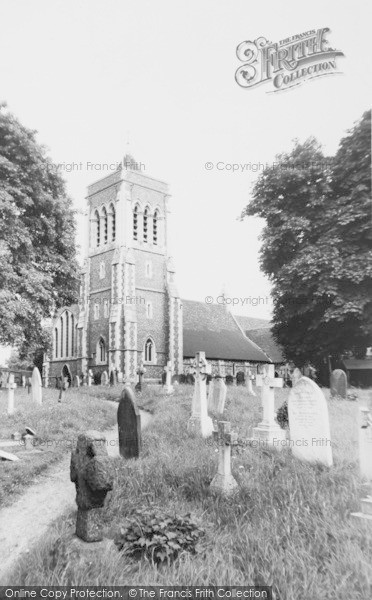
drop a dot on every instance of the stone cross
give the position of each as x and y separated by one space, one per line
23 381
140 372
168 382
11 387
199 419
249 385
224 481
268 430
91 471
129 424
36 389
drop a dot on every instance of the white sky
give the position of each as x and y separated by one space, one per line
84 73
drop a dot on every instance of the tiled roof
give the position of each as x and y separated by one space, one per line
252 323
212 329
265 340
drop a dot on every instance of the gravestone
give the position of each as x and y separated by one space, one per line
104 378
129 424
8 456
309 423
269 431
23 381
77 381
29 383
296 375
338 383
112 378
365 443
120 377
365 463
168 388
224 481
36 389
91 471
217 396
140 372
199 420
90 377
250 386
11 387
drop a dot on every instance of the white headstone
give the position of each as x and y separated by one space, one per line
250 386
120 377
269 431
310 436
77 381
90 377
365 443
36 389
296 375
11 387
199 419
23 381
104 378
217 396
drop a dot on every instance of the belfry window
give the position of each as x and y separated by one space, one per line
135 223
155 228
112 216
105 225
98 227
145 224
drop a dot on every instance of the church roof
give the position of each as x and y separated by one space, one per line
265 340
252 323
210 328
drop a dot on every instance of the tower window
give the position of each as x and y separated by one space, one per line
149 270
96 311
102 270
145 224
72 335
105 225
67 335
98 227
135 223
105 308
155 228
56 342
101 351
112 215
149 351
149 310
61 321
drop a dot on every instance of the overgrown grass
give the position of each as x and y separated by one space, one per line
57 426
288 526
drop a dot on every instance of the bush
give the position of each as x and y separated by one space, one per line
240 378
182 378
282 415
229 379
97 378
160 537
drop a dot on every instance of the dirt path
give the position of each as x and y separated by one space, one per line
28 518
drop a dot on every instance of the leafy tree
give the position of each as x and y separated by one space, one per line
37 248
317 247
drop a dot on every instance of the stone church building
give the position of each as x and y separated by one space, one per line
130 312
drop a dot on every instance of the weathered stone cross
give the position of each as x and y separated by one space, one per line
224 481
11 387
199 415
268 430
168 381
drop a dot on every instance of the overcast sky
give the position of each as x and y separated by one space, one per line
85 73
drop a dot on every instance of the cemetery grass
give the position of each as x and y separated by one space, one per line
56 425
288 526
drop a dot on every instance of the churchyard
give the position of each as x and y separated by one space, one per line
262 515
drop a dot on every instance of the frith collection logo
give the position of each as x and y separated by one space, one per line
287 63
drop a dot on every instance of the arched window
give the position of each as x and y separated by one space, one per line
145 224
56 342
98 227
72 335
101 351
112 216
105 225
61 321
149 310
135 223
155 228
67 335
149 351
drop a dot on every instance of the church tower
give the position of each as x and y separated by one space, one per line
130 311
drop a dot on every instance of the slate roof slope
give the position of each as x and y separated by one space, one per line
252 323
265 340
212 329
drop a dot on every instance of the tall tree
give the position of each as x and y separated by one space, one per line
37 238
317 247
